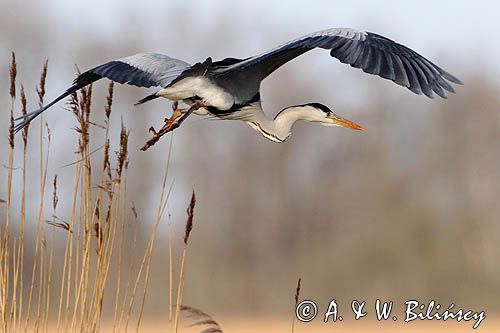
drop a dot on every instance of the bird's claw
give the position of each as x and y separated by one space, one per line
153 131
170 124
168 127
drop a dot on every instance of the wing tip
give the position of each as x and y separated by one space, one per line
450 77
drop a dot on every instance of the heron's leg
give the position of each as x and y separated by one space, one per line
170 124
176 114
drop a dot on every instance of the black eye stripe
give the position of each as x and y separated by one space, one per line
318 106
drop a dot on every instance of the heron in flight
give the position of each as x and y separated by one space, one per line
230 89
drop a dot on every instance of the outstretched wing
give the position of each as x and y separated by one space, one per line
141 70
372 53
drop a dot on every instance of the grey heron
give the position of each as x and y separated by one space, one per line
230 89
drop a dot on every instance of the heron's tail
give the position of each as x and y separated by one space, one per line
81 81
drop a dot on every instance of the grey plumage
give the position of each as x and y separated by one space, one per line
141 70
234 83
372 53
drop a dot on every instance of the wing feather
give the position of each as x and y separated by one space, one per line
414 85
142 70
370 52
387 68
399 70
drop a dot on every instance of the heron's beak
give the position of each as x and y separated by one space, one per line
339 121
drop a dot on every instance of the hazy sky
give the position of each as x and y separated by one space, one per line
467 25
452 33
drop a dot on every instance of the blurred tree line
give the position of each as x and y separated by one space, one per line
407 208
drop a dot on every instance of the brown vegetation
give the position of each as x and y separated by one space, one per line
408 208
69 292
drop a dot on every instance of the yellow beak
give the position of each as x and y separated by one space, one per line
339 121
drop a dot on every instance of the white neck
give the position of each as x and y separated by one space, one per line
278 129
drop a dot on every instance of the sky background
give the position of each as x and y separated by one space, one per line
469 26
407 207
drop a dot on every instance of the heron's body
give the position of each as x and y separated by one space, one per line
202 88
230 89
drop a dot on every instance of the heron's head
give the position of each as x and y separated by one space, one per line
316 112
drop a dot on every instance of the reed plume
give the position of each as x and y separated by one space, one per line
109 101
187 232
41 85
123 152
200 319
296 298
189 222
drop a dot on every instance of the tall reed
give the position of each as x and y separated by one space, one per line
5 243
68 290
187 233
296 299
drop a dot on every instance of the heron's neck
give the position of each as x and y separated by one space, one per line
278 129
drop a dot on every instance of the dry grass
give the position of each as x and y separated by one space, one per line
296 302
96 243
180 289
68 291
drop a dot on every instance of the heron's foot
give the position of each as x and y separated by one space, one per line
170 124
153 131
178 116
168 127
